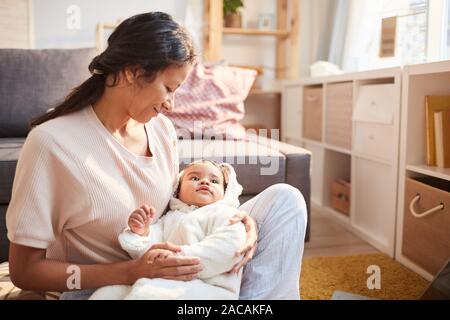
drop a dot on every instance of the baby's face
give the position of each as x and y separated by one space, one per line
202 184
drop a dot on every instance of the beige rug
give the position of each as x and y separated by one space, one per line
321 276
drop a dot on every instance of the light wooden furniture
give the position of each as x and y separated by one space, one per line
100 34
423 243
313 105
356 144
339 97
16 24
263 106
287 34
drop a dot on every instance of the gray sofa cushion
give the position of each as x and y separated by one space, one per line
9 153
4 242
32 81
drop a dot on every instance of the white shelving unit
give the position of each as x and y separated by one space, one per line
362 151
418 82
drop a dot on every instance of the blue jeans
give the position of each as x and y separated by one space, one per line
77 295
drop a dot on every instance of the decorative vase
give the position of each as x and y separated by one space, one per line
233 20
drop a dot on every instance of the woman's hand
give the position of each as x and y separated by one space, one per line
252 236
172 267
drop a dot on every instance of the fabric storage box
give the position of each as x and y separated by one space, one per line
426 237
312 113
373 121
339 109
340 196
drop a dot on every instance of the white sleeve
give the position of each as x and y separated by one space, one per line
135 245
217 251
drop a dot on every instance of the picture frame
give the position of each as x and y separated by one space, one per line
388 37
266 22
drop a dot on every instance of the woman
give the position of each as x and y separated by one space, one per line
106 150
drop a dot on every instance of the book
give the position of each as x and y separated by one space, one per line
433 104
442 138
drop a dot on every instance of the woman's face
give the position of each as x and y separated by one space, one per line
201 184
150 99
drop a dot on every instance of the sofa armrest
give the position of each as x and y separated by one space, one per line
298 174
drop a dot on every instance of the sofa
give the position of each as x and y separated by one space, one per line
31 81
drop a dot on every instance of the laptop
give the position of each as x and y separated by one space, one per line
438 289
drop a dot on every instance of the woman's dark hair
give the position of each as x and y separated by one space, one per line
150 41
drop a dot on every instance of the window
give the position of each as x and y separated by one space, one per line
437 42
363 37
412 31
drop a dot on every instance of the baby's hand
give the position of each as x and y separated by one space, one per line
154 254
140 220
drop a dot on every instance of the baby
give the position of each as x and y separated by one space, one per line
205 199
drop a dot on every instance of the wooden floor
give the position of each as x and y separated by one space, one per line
328 238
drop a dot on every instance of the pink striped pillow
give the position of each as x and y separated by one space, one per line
211 102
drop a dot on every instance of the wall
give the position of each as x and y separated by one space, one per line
50 18
315 32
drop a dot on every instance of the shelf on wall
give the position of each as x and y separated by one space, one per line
256 32
436 172
287 58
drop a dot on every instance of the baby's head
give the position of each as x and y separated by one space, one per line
203 182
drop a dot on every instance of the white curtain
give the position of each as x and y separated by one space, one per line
321 13
193 21
341 14
363 34
323 31
316 24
